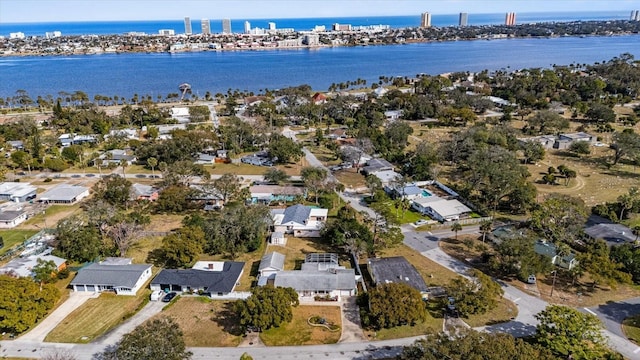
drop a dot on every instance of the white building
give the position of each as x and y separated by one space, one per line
52 34
440 209
299 220
166 32
16 35
64 194
17 192
112 275
10 219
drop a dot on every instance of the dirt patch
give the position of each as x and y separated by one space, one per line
206 323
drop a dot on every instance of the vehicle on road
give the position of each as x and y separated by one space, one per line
167 298
420 222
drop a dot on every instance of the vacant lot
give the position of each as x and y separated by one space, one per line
299 332
96 317
204 322
238 169
51 216
631 328
350 178
14 237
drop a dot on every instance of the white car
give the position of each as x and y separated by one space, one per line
420 222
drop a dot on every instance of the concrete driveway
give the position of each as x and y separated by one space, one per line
75 300
351 330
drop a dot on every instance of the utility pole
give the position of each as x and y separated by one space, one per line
553 284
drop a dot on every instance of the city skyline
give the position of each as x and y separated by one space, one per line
20 11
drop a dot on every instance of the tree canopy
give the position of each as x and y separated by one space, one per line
267 307
23 303
395 304
474 297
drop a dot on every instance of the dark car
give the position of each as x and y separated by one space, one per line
169 297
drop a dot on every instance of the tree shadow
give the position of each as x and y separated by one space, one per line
156 257
228 320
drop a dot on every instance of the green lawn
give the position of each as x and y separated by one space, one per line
299 332
431 325
52 215
14 237
631 328
96 317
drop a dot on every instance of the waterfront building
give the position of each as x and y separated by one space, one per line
187 26
510 19
635 15
16 35
272 26
206 26
311 40
425 20
52 34
341 27
166 32
247 27
226 26
464 19
319 28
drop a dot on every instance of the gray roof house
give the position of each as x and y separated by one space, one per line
9 219
23 266
115 156
396 269
299 220
18 192
216 278
64 194
271 263
376 165
107 276
320 276
600 228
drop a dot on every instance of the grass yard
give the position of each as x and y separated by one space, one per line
14 237
165 222
51 216
430 325
502 313
631 328
139 251
206 323
96 317
350 178
299 332
238 169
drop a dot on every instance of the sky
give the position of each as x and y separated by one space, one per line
19 11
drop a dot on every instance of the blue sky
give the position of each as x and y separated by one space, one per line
94 10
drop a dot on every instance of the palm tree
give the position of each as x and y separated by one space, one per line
455 228
124 164
485 228
152 162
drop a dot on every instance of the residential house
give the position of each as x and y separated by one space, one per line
10 219
207 195
320 276
337 134
393 115
204 159
180 114
16 144
23 266
319 98
377 165
17 192
549 250
73 139
562 141
117 275
299 220
270 264
396 270
129 134
409 191
215 278
116 156
64 194
143 192
440 209
275 193
600 228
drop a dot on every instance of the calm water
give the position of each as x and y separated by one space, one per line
160 74
237 25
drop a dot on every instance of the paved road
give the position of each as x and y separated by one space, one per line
613 313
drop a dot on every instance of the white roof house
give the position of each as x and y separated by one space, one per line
23 266
18 192
64 194
180 114
440 209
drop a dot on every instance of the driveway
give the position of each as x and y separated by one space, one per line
75 300
147 312
351 330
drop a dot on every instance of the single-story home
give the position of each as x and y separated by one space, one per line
115 275
73 139
320 276
270 264
9 219
386 176
115 156
131 134
204 159
23 266
180 114
600 228
16 144
143 192
395 270
64 194
208 195
270 193
376 165
549 250
299 220
409 192
17 192
440 209
216 278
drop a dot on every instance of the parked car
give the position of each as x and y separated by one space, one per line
420 222
167 298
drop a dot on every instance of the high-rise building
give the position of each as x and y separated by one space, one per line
206 26
52 34
226 26
464 19
187 26
510 19
247 27
272 26
635 15
425 20
166 32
